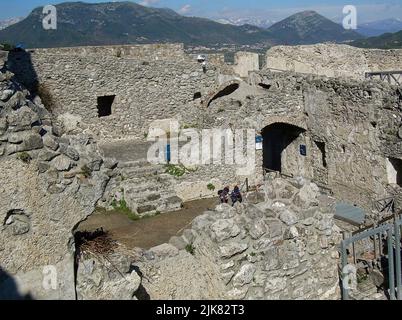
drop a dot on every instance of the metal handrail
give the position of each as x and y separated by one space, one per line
278 173
393 238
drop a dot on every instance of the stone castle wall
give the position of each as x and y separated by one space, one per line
144 89
357 121
44 196
170 51
333 60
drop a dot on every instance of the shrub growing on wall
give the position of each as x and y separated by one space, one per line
7 46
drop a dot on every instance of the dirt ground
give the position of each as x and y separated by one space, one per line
148 232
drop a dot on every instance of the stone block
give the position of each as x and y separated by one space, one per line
224 229
244 276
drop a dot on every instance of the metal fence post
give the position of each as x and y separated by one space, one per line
345 292
398 265
391 274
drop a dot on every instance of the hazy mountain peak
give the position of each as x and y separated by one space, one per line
376 28
308 27
131 23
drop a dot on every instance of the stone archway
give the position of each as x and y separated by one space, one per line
280 144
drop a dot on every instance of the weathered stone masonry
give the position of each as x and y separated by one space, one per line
281 243
149 86
350 128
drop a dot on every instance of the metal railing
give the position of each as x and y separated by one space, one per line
389 76
393 254
277 174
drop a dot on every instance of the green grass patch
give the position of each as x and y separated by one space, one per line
24 157
86 172
7 46
188 126
176 170
190 249
210 187
121 207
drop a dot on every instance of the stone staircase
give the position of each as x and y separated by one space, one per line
145 187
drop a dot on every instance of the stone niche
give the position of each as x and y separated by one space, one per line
394 171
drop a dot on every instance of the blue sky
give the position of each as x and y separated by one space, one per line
368 10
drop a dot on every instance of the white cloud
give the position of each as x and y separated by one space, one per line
149 2
185 9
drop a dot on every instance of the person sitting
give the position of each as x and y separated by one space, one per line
236 195
223 195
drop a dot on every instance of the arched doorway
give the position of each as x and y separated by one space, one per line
277 138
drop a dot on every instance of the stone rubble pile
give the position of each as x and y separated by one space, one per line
27 131
51 182
107 278
281 243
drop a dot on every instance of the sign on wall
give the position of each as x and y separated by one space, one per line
258 143
303 150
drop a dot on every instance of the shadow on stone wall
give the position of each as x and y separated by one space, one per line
8 288
20 63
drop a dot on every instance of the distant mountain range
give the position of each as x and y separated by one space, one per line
367 29
5 23
258 22
130 23
377 28
309 27
385 41
125 23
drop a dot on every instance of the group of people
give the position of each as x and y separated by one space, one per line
235 195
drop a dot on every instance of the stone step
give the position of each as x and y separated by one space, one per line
130 164
146 182
161 205
138 164
150 195
144 188
130 173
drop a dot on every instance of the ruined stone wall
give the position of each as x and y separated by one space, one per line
246 62
44 195
357 122
148 52
145 89
280 244
333 60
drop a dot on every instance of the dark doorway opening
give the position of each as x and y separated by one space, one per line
276 138
397 164
105 106
321 147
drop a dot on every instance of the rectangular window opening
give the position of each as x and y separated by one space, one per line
394 168
321 147
105 106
